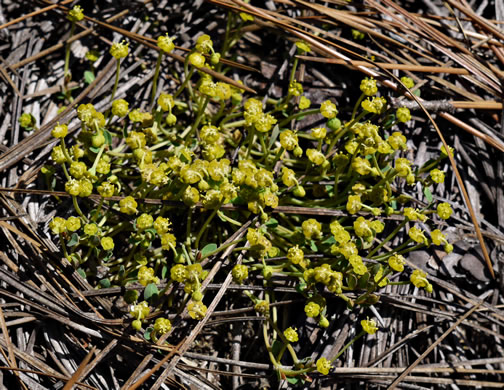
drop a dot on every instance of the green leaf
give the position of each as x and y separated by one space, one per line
150 290
272 223
363 280
313 246
273 136
276 347
428 194
148 331
89 76
105 283
94 150
81 272
164 271
108 137
209 248
389 120
329 241
351 281
74 240
95 214
293 380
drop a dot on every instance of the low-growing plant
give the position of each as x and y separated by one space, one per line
176 182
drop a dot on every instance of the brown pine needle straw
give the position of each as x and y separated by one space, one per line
384 65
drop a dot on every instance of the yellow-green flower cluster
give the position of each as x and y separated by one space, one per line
177 181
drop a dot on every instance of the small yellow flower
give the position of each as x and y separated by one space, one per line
128 205
119 50
204 44
354 204
291 335
60 131
73 224
368 86
120 107
162 325
288 139
323 366
357 35
166 102
328 109
165 43
397 141
91 229
437 176
312 229
417 235
303 47
197 60
403 114
92 55
140 311
375 105
239 273
444 153
179 273
295 255
315 156
444 210
144 221
408 82
197 310
369 326
26 120
75 14
312 309
107 243
419 279
246 17
57 225
146 276
304 103
319 132
396 262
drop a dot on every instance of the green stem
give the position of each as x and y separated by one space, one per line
357 105
263 147
221 248
63 247
155 79
203 228
118 69
229 219
251 136
97 160
362 333
67 52
388 238
65 151
296 115
188 74
277 157
268 347
78 210
196 123
286 342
